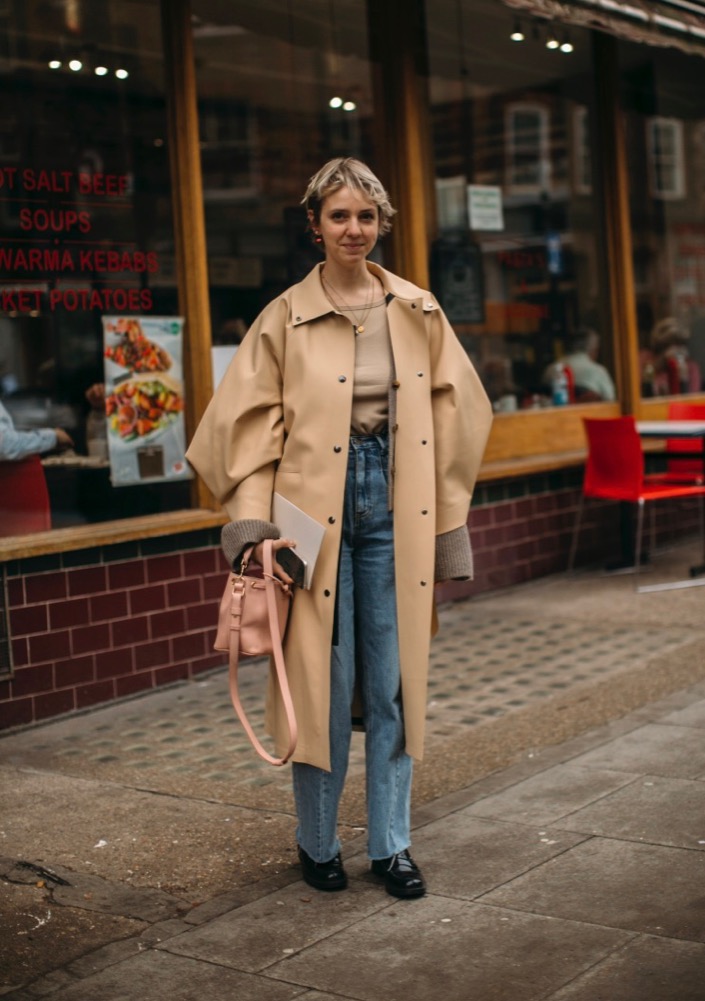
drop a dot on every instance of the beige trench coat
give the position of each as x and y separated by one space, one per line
280 421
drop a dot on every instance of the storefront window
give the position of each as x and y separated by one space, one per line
662 95
282 87
86 260
516 260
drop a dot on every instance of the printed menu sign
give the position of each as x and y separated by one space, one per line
144 398
67 243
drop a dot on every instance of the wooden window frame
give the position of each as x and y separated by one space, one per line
678 192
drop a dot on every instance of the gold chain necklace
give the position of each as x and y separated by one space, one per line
332 293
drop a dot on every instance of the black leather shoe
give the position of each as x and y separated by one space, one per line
323 875
402 877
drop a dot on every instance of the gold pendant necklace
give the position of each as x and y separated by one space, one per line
333 295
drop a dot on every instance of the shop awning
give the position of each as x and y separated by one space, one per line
678 23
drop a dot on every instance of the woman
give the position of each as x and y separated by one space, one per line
352 397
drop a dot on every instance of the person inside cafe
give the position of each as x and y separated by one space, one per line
592 381
669 369
16 444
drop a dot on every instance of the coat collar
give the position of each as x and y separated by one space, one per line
310 302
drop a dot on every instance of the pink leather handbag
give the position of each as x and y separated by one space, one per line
252 620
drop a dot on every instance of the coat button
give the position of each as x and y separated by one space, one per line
298 319
424 441
413 305
337 448
396 384
326 593
331 520
423 583
342 378
419 374
424 512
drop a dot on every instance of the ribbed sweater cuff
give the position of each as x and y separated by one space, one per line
238 535
454 555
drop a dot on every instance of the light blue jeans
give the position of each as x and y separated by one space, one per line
367 643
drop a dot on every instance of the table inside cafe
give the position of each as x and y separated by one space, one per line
684 430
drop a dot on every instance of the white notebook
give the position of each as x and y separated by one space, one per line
293 523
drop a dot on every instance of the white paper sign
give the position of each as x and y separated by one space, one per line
485 207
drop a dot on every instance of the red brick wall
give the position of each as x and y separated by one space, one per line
90 634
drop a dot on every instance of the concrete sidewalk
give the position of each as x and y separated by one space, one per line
559 820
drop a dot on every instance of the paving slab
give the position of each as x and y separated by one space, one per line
465 857
640 888
654 809
157 976
554 793
693 715
254 937
646 969
438 947
658 748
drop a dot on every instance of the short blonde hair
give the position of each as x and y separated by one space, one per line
347 172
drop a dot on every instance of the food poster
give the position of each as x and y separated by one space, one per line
144 398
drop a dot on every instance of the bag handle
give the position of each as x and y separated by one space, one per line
277 653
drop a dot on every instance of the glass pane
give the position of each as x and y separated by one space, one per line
282 87
85 211
518 271
664 103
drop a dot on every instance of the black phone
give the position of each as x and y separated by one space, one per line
294 565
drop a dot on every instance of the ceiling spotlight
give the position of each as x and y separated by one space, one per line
517 34
76 65
101 71
121 74
566 44
349 106
551 40
54 64
335 102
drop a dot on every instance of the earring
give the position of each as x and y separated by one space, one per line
317 237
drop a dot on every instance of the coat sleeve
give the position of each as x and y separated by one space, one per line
15 445
462 416
240 439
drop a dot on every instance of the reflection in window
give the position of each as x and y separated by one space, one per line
667 213
282 87
522 283
528 164
666 167
87 229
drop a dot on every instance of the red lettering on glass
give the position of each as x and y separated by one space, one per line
55 220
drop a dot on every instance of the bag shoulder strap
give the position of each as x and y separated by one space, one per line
277 653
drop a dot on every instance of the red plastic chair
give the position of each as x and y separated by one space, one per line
24 498
615 471
688 470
